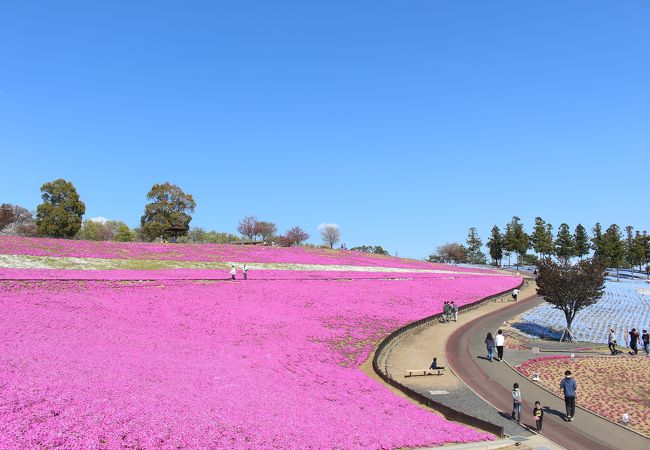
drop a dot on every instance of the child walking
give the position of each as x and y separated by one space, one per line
538 413
516 403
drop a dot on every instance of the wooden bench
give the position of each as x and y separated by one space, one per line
423 372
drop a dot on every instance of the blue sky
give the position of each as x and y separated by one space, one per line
405 122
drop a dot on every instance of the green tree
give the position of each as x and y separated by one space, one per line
61 211
215 237
597 241
542 237
373 249
124 234
570 288
495 244
168 215
474 244
198 235
515 239
636 255
581 241
613 248
564 244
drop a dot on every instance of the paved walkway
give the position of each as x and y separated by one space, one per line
416 349
493 382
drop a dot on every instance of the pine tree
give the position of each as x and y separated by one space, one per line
474 244
516 239
548 241
564 244
630 257
538 236
613 248
597 241
495 244
581 241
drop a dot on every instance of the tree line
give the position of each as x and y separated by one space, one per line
612 247
166 217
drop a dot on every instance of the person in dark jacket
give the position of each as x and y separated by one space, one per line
634 339
645 338
489 345
538 414
434 365
569 387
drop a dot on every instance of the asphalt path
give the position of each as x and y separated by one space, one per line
466 354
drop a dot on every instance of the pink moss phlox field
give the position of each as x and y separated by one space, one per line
14 245
162 364
209 274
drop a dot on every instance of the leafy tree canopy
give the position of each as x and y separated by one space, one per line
61 211
168 214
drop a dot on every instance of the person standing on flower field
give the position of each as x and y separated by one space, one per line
233 273
569 387
500 342
646 341
245 270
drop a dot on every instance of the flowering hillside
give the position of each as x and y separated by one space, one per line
15 245
97 359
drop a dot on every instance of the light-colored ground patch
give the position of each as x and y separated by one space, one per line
71 263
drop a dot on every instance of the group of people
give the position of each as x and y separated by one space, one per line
491 343
634 341
568 386
233 272
449 310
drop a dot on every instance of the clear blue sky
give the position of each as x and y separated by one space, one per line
405 122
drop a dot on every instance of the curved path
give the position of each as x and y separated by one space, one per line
493 381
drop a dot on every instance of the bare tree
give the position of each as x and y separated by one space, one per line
570 288
248 227
450 252
330 233
296 235
266 229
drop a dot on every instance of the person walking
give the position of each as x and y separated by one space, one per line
645 338
500 342
515 294
445 312
454 309
489 345
611 341
634 339
233 273
516 403
569 387
245 271
538 414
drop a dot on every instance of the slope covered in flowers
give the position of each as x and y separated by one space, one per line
15 245
97 359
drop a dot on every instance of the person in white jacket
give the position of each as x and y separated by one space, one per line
499 341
